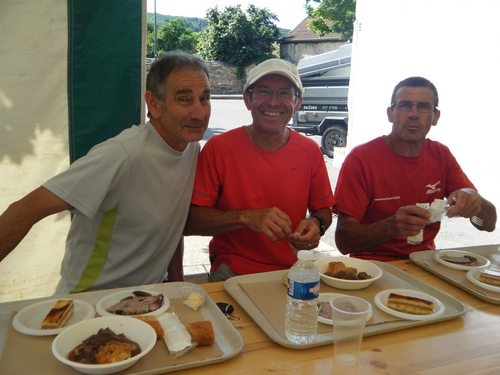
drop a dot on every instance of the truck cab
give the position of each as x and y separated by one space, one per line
324 109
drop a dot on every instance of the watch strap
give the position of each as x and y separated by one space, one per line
322 224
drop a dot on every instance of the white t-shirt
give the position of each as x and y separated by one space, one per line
131 198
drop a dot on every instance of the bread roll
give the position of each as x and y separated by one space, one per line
153 322
202 332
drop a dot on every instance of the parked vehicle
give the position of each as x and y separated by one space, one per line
324 111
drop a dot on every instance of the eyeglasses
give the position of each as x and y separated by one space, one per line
406 106
265 93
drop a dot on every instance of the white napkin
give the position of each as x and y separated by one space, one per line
176 336
438 210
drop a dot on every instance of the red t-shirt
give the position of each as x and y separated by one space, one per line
374 182
234 174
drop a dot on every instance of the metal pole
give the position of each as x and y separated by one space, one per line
155 51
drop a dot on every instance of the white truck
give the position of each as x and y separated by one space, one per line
324 112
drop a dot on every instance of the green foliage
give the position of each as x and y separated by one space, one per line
193 23
239 38
171 36
341 13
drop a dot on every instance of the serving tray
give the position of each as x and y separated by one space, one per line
425 260
260 314
229 342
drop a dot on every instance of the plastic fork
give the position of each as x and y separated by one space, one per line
477 220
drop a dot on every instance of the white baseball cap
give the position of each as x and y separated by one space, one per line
274 66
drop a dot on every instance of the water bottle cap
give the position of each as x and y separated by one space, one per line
305 255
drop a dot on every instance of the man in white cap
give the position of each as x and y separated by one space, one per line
261 190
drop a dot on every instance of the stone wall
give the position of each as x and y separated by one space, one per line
224 79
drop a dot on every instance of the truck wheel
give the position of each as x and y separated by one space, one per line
334 136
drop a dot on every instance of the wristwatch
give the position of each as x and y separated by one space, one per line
322 224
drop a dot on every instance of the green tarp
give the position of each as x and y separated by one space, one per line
104 70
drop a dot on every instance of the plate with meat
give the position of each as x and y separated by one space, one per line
461 260
133 302
325 309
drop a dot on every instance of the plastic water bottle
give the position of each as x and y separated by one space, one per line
301 324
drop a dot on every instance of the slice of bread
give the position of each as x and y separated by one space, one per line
58 315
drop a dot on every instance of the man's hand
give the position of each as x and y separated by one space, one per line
464 203
468 203
272 222
306 236
409 221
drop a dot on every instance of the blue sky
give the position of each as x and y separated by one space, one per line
290 12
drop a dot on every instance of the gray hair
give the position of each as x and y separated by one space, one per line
168 63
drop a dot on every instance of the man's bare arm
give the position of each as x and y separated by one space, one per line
20 216
206 221
175 268
353 237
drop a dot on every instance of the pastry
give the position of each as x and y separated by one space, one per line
410 305
491 277
58 315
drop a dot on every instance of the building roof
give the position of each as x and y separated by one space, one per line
302 33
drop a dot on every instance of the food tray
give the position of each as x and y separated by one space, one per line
227 337
425 260
454 307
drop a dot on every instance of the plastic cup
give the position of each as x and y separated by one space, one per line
349 318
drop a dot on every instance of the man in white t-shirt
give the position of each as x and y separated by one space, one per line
129 195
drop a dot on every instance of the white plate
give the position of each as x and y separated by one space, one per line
485 262
381 301
326 297
108 301
473 276
29 320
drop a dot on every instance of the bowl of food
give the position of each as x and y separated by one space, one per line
347 273
104 345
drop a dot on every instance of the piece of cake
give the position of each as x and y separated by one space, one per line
58 315
202 332
491 277
410 305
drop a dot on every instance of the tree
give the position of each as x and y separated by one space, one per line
332 16
170 36
239 38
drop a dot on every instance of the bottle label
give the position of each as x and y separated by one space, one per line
304 291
